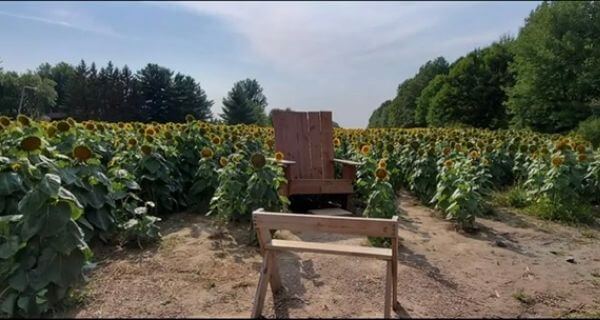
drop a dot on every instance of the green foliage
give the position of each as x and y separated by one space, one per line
401 111
473 91
381 204
590 130
557 62
245 103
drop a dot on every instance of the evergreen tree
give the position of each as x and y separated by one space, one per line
245 103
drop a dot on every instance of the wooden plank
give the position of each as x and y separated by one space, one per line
348 172
331 212
329 248
284 125
264 237
284 162
373 227
349 162
314 126
261 289
316 186
395 303
303 146
327 144
388 295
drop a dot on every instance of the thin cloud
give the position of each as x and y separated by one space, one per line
67 20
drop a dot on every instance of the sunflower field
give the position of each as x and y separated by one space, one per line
66 184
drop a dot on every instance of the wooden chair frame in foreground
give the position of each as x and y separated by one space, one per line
264 222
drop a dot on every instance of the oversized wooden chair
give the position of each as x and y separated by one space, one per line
306 141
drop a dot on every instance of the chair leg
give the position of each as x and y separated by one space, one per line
388 294
274 279
395 303
261 289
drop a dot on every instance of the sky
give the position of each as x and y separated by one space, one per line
347 57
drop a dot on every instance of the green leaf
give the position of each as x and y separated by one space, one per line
10 182
10 247
8 305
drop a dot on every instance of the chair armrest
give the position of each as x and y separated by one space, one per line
282 161
348 162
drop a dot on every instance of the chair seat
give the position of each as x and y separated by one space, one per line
320 186
301 246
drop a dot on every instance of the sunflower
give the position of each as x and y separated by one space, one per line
365 149
337 142
258 160
5 121
82 153
132 142
146 149
581 157
448 164
71 121
216 140
90 126
24 120
381 173
223 161
580 148
389 147
150 139
382 163
474 155
31 143
63 126
557 161
446 151
279 156
168 135
51 131
149 131
207 153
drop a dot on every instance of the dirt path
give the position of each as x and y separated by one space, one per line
195 272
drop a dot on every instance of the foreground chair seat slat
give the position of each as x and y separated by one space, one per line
301 246
265 222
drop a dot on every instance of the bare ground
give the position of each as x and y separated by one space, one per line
515 266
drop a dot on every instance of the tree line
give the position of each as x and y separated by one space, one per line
153 93
547 78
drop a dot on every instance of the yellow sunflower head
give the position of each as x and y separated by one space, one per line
206 153
223 161
449 164
258 160
150 131
132 142
365 149
581 157
146 149
557 161
279 156
150 139
90 126
580 148
5 121
31 143
474 155
382 163
24 120
168 135
51 131
381 173
82 153
337 142
216 140
63 126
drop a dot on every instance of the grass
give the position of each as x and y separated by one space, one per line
523 297
514 197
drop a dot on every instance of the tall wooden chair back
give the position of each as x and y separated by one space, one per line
307 139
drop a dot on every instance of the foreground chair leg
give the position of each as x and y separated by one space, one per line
261 289
274 278
388 294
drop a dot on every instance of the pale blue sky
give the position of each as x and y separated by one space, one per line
344 57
